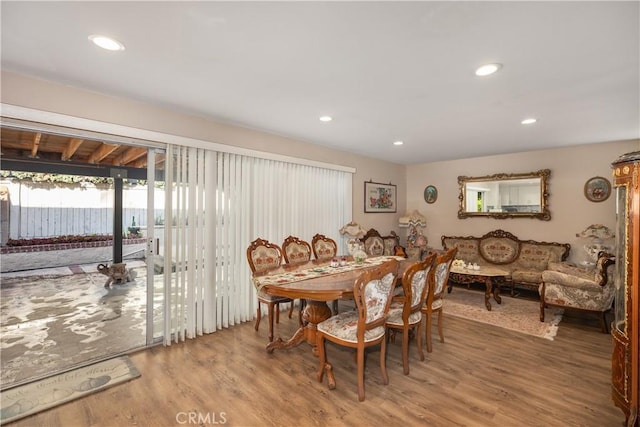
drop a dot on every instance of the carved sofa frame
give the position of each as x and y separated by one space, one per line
376 245
524 259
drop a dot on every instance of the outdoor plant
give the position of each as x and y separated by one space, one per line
59 239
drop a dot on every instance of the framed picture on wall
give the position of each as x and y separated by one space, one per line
379 197
430 194
597 189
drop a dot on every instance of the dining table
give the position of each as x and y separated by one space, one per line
315 282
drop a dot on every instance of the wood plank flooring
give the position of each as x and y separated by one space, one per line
481 376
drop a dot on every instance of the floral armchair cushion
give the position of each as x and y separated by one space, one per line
324 249
265 258
298 252
374 246
468 248
499 250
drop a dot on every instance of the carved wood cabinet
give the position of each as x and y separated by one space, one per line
625 365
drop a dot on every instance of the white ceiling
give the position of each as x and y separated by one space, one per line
385 71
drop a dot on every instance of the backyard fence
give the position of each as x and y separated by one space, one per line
41 210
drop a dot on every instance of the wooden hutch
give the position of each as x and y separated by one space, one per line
625 365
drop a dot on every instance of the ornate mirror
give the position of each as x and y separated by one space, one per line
516 195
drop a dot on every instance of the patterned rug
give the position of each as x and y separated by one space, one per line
24 400
516 314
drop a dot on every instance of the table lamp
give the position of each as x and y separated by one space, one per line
414 221
355 232
596 234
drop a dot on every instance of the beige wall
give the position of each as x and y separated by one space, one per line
570 167
42 95
571 212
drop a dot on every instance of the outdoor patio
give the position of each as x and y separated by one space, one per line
53 319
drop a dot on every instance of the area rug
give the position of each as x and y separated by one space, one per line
515 314
28 399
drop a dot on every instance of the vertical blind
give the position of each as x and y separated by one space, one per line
217 204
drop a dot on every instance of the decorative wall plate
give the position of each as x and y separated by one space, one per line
597 189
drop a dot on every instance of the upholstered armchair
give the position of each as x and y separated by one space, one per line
569 286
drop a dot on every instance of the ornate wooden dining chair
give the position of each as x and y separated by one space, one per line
363 327
263 255
437 283
324 248
296 250
405 312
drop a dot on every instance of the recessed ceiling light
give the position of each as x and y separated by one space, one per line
325 118
106 42
398 143
529 121
488 69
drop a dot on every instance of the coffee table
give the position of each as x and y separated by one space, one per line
492 277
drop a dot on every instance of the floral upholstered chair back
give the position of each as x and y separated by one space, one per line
439 278
296 250
323 247
263 255
374 246
372 292
419 274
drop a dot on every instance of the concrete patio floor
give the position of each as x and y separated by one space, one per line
54 319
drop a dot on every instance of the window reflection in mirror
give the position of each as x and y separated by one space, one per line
505 195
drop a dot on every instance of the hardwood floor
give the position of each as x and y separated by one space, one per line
481 376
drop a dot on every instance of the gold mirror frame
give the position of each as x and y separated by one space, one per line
543 214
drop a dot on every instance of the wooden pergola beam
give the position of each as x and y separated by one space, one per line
71 148
103 151
35 144
130 155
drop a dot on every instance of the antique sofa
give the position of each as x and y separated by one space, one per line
568 286
525 260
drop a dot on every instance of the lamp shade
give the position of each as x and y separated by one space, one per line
598 231
353 229
414 218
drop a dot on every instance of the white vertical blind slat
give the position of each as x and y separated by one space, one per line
220 202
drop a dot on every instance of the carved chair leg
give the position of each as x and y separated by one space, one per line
383 365
258 316
291 310
271 310
405 351
419 340
428 333
360 357
440 330
335 307
277 312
